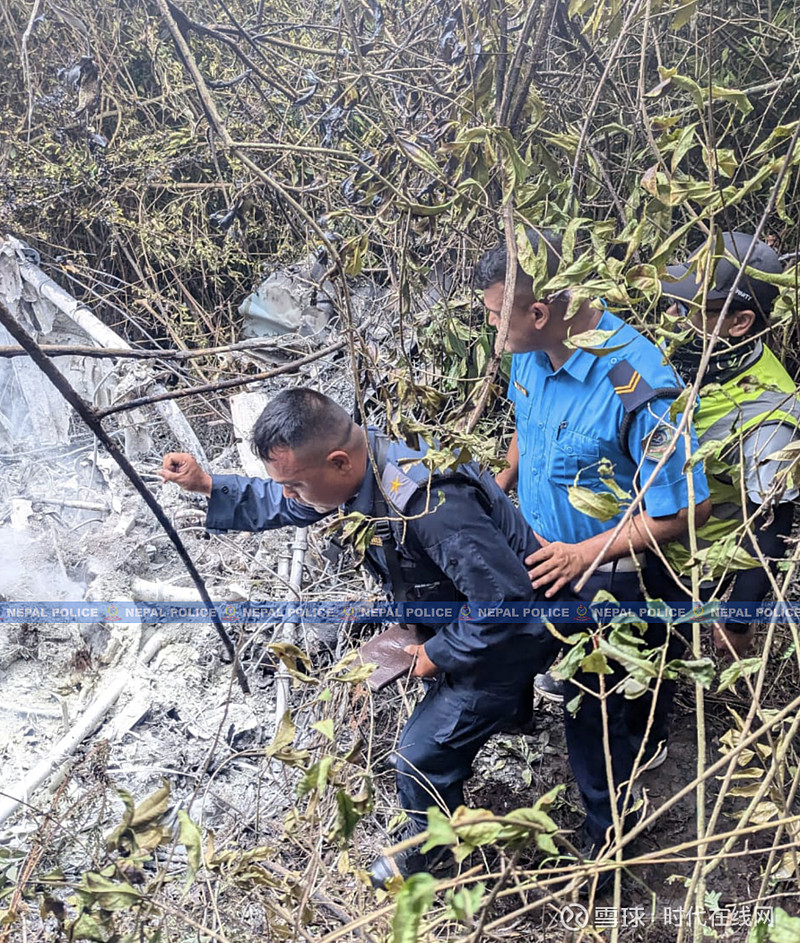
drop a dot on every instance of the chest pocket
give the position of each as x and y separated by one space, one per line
572 453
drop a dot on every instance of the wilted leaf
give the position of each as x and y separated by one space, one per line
292 657
284 736
349 812
191 838
602 505
739 669
95 889
87 927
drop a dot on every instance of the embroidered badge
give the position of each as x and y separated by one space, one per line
656 443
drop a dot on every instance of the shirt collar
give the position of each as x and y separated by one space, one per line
363 500
582 360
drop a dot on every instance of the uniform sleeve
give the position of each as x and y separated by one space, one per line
238 503
466 544
760 472
650 433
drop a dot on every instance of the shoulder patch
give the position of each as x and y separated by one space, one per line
656 443
398 486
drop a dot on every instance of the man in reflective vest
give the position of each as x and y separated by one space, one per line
747 415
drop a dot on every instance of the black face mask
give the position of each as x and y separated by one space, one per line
725 362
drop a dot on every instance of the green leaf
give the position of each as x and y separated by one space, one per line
785 929
733 95
602 505
465 903
317 777
412 902
739 669
533 263
678 405
191 838
440 831
725 555
593 340
700 670
325 727
356 675
685 12
596 663
473 829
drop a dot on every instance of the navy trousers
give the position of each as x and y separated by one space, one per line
626 719
455 719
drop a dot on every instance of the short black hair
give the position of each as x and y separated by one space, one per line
491 267
297 417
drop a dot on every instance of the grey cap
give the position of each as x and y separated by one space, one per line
750 292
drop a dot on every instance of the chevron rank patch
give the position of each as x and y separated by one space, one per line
398 486
629 385
656 443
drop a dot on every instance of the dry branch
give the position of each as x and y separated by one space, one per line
92 420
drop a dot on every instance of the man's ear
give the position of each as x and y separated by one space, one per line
540 313
340 460
741 322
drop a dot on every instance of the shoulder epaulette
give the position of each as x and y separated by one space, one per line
398 487
634 393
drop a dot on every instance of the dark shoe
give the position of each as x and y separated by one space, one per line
548 687
438 862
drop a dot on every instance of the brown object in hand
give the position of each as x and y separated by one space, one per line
386 651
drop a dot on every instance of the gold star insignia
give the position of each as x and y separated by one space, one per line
395 485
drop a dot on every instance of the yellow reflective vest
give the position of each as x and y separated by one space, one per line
726 413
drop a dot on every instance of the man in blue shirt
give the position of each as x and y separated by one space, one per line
591 426
451 537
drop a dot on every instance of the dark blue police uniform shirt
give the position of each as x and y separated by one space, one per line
475 537
568 420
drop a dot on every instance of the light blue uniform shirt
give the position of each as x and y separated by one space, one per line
568 420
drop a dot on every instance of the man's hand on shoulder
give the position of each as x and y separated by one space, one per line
555 563
185 471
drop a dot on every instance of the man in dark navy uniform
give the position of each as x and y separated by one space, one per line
591 427
450 536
